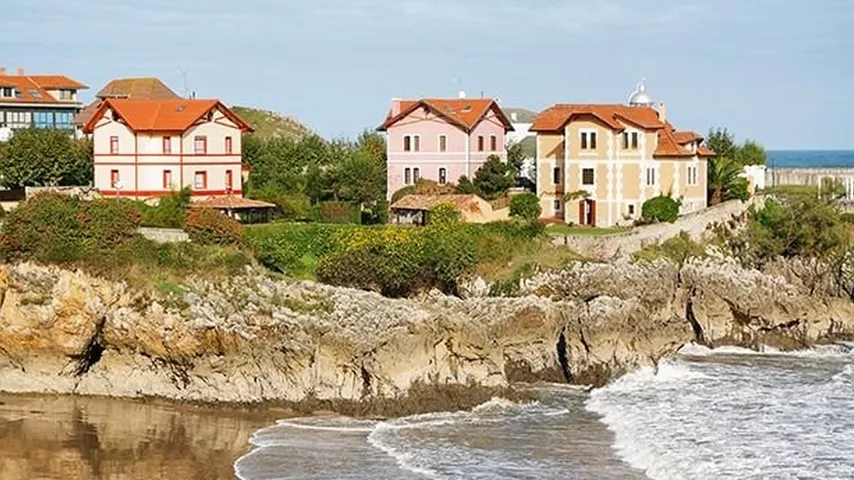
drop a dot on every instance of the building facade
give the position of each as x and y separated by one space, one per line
38 101
442 139
597 164
149 148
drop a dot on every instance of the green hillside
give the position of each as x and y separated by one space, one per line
269 124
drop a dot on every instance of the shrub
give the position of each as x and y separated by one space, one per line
678 249
662 208
170 211
340 212
108 222
526 206
45 226
209 227
444 214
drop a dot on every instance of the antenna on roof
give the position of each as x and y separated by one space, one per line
183 74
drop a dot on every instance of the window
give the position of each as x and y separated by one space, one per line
35 93
114 178
631 209
588 140
228 146
588 176
66 95
493 143
200 145
114 145
556 175
480 143
630 140
200 181
167 179
7 92
557 205
229 180
651 180
416 174
412 143
63 119
693 175
407 176
443 176
443 143
167 145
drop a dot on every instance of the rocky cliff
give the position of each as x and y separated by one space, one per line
259 338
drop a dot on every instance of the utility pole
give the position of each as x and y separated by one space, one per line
183 74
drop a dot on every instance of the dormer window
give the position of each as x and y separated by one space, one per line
35 93
7 92
66 95
630 140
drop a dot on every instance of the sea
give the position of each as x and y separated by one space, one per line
728 413
810 158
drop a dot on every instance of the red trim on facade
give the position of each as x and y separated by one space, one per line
114 145
165 164
163 193
167 179
114 177
229 180
167 145
162 155
136 161
229 146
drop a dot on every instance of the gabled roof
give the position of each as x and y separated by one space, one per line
669 147
554 118
687 137
461 112
140 88
34 88
175 115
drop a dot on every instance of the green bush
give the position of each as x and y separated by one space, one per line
662 208
526 206
108 222
170 211
45 227
678 249
444 213
209 227
340 212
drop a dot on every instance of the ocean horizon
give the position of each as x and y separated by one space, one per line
810 158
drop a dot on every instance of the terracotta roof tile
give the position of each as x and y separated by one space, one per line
230 203
615 116
132 88
704 151
463 112
466 203
33 88
139 88
174 115
687 137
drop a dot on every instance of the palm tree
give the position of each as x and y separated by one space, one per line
724 175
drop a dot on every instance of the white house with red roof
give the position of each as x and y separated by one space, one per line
149 148
40 101
442 139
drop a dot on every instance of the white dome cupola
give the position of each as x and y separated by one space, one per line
640 98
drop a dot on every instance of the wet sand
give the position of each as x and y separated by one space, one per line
69 438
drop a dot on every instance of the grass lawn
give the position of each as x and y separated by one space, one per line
568 230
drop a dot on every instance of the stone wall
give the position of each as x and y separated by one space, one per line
164 235
607 247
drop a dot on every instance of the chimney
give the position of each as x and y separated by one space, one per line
662 112
20 72
395 107
462 94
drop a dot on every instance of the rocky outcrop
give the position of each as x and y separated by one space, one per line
258 338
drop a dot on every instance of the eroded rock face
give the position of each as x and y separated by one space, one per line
257 338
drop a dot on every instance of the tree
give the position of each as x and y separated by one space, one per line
751 153
42 157
359 178
516 157
493 178
722 142
526 206
724 178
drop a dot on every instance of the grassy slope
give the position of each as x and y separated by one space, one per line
269 124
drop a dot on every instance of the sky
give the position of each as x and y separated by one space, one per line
777 71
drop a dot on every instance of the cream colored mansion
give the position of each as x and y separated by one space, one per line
597 164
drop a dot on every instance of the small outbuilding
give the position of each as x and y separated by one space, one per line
242 209
415 209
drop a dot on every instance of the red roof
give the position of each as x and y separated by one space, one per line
173 115
687 137
230 203
34 88
462 112
669 147
556 117
134 88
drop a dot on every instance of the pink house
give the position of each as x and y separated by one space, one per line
442 139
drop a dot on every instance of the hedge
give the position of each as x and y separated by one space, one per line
340 212
210 227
